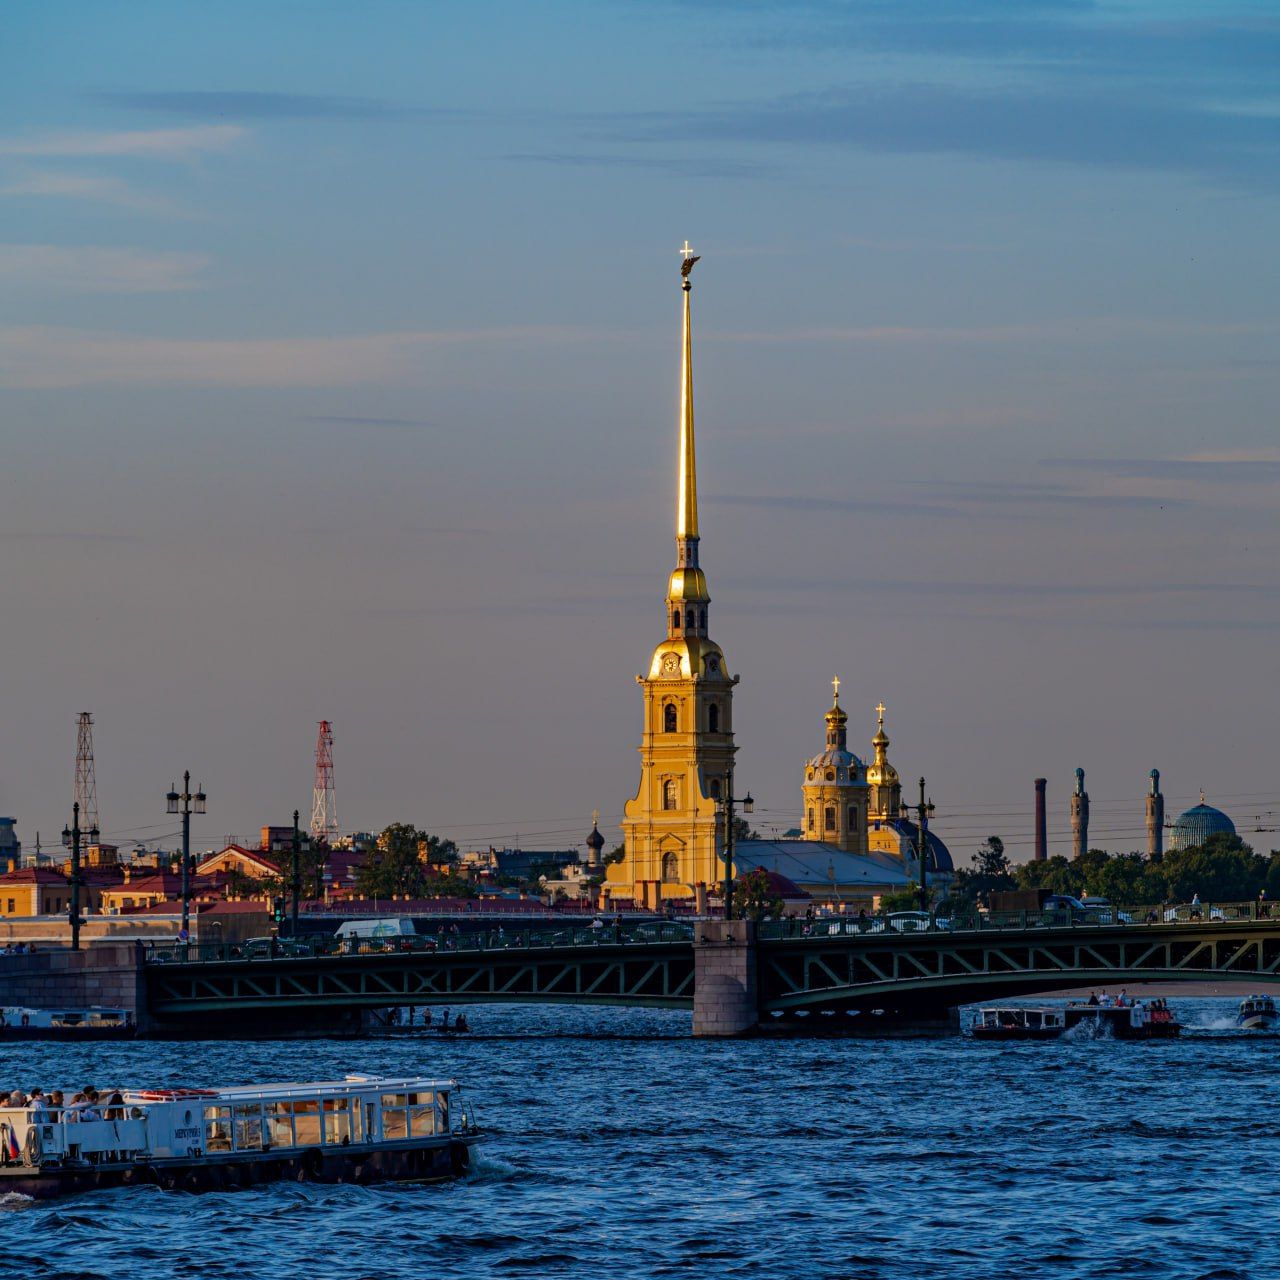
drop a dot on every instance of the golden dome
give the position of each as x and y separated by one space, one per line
688 656
880 772
688 584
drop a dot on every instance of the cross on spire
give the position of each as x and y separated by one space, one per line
880 713
687 265
835 688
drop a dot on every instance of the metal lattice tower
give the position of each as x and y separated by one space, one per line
86 783
324 799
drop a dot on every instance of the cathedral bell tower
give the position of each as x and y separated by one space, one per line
672 829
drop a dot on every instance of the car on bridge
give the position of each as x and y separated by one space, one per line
1100 911
916 921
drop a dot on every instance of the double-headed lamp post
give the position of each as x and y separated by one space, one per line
71 840
727 801
923 812
191 803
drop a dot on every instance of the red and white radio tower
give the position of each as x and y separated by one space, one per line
324 799
86 783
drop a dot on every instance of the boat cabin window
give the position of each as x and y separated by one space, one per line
280 1124
412 1115
248 1129
337 1120
306 1122
217 1128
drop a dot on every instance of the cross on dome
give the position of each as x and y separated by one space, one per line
835 687
880 713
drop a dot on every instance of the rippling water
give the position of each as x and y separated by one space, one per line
619 1146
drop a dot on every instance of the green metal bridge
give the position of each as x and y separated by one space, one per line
797 968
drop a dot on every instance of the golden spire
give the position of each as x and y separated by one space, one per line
687 499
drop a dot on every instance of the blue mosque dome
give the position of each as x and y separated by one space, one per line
1197 824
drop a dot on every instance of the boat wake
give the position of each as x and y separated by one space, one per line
15 1200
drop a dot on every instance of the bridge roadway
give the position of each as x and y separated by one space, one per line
778 973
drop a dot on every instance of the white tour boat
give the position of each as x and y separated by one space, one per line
360 1129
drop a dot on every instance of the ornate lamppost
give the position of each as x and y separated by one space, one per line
191 803
923 812
727 801
71 840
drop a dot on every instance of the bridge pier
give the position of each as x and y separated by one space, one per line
104 973
724 979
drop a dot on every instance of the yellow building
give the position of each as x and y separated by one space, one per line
835 788
672 829
856 844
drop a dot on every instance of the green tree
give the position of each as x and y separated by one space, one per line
754 898
394 865
900 900
990 872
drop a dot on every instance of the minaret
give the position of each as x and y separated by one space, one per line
1155 819
672 829
1079 817
1042 826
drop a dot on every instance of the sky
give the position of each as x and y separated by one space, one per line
338 380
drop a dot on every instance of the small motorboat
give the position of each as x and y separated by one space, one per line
1257 1013
1018 1024
1141 1020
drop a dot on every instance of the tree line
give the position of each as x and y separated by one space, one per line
1223 869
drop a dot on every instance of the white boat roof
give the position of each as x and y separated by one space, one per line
352 1084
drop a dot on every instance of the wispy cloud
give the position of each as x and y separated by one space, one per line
41 357
1229 466
87 269
74 186
1082 124
357 420
232 104
160 144
684 167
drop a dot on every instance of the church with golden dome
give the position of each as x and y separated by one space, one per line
855 842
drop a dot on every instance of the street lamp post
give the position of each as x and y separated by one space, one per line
727 802
300 842
191 803
71 840
923 812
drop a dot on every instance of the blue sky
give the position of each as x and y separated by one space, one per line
337 379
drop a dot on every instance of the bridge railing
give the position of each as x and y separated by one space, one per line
498 938
972 921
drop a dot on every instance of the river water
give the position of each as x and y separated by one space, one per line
621 1147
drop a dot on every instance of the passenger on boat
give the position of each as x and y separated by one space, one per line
37 1107
17 1099
115 1108
1122 1000
460 1023
1093 997
56 1105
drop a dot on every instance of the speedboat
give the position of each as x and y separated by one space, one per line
1257 1013
1017 1024
362 1129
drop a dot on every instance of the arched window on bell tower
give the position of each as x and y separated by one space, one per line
829 818
810 819
853 819
670 869
675 620
713 718
714 788
670 719
670 799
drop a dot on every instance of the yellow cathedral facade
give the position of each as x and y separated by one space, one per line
854 842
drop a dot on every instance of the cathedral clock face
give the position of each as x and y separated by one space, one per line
671 665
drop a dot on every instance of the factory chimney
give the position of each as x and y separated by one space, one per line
1155 819
1042 830
1079 817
